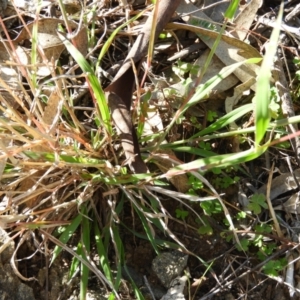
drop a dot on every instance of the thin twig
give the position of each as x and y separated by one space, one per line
271 209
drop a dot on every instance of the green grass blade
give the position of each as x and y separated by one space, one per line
109 41
225 120
83 261
123 179
262 98
204 90
102 252
193 150
272 127
219 161
66 235
93 81
119 250
75 262
147 229
158 242
85 236
231 10
137 292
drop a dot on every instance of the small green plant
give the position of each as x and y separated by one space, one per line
211 207
272 267
204 145
183 68
181 213
241 215
274 105
195 184
296 91
296 61
195 122
211 115
244 245
266 250
263 228
257 202
225 181
204 228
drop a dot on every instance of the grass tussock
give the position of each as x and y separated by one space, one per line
64 175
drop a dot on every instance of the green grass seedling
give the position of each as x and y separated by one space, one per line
94 84
262 97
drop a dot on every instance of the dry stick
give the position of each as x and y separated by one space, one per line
271 209
294 13
124 127
140 47
122 85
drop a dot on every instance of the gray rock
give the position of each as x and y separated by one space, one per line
10 285
12 288
176 290
169 265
